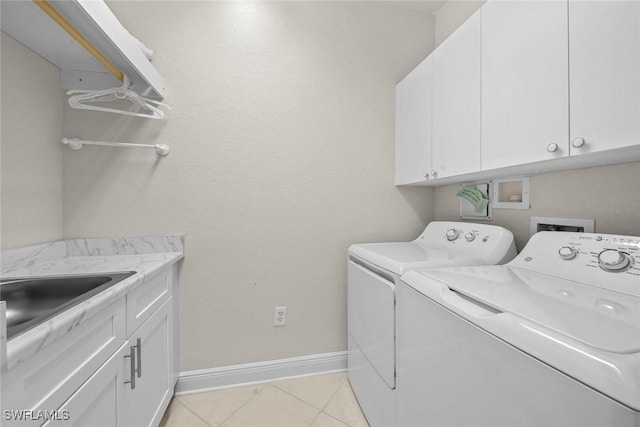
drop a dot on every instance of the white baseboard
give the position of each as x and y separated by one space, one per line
250 373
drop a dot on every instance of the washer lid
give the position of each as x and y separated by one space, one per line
601 318
588 333
400 257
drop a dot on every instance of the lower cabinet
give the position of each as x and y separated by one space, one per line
96 375
96 402
146 392
132 388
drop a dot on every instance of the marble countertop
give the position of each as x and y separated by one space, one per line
144 255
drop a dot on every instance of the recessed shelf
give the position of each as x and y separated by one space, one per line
511 193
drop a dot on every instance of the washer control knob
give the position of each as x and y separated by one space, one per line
452 234
470 236
613 260
567 252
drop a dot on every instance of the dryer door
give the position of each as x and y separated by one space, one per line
371 319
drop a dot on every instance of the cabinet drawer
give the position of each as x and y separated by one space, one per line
46 379
144 300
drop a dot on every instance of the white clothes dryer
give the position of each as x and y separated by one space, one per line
373 271
550 339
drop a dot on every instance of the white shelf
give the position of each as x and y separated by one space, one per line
27 23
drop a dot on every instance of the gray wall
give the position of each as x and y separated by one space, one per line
451 15
608 194
30 148
281 138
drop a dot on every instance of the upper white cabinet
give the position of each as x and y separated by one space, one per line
413 125
456 102
30 25
525 105
604 49
527 87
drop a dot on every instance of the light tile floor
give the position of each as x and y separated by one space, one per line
314 401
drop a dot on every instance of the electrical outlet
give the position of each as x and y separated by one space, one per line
279 316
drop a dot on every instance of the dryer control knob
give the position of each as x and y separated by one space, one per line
567 252
470 237
613 260
452 234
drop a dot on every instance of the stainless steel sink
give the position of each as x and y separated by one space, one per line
33 300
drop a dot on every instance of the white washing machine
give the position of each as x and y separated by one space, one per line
550 339
373 270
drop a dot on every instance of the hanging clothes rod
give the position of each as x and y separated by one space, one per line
77 144
73 32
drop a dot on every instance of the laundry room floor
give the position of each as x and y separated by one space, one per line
314 401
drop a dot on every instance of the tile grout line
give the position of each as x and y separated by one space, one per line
297 398
314 419
272 384
307 403
345 380
321 410
335 418
243 405
194 413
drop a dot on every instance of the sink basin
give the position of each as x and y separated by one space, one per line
33 300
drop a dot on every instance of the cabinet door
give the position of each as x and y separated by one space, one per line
46 379
95 404
604 48
525 105
143 404
456 101
413 125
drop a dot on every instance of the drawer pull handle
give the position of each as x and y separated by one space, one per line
139 353
132 358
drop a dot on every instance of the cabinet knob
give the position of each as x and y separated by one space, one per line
552 148
577 142
426 175
434 174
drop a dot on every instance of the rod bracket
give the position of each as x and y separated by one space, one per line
162 150
73 143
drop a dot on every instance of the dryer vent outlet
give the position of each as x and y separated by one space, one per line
541 223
